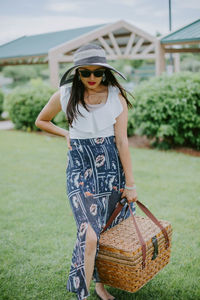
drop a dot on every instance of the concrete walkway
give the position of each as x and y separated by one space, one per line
5 125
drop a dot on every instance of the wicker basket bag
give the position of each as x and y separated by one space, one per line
134 251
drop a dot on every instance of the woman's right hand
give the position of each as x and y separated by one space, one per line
68 140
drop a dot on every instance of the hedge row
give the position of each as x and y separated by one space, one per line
168 110
25 104
165 108
1 102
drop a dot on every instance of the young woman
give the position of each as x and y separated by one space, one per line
99 162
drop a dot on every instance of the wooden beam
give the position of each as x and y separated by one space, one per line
130 43
122 45
26 60
182 43
113 40
137 46
25 57
68 58
182 50
148 49
65 58
135 56
7 63
106 46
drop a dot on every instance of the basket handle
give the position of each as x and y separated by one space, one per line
119 207
154 219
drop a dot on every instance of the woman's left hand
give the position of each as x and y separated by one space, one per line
130 195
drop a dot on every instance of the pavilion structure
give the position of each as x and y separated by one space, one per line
184 40
121 40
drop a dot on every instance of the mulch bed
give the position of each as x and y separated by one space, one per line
144 142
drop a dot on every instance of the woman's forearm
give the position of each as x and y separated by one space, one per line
51 128
125 158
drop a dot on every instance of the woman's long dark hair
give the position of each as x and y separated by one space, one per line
77 94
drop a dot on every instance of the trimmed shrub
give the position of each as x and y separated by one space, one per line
131 121
25 104
168 109
61 121
1 102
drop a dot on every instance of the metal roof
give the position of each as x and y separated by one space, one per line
40 44
188 33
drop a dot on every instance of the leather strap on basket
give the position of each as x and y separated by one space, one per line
149 214
155 220
113 216
142 241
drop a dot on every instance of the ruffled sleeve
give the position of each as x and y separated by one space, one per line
65 91
117 107
101 118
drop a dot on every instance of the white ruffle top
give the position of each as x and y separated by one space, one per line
99 120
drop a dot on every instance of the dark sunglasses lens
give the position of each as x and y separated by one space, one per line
85 73
98 73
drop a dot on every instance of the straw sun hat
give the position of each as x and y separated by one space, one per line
90 54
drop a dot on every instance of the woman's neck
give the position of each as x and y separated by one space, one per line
96 96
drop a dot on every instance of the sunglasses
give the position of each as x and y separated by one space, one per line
87 73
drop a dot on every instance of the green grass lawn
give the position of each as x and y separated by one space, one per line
38 230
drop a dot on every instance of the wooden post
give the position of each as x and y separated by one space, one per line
160 58
176 62
54 71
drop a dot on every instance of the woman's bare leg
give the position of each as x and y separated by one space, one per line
102 292
90 252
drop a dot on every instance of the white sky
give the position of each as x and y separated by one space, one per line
28 17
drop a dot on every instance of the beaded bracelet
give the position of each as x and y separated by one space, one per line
130 187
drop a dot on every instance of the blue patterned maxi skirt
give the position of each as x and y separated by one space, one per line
93 172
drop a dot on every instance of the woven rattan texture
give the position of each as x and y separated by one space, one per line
119 260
